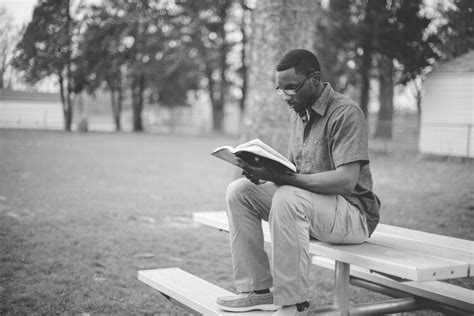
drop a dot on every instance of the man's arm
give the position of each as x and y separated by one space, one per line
340 181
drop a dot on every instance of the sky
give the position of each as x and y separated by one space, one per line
21 10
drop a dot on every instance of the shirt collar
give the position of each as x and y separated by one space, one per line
321 104
306 115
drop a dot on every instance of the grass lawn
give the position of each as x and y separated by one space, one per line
81 213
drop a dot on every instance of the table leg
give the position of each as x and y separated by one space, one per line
342 287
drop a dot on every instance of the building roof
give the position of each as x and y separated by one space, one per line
6 94
461 64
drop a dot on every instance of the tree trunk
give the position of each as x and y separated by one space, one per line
418 83
118 123
218 116
365 78
68 111
66 104
3 69
114 98
138 87
217 101
69 102
369 26
243 31
220 102
218 89
418 105
278 26
385 118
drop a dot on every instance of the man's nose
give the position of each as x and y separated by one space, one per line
287 97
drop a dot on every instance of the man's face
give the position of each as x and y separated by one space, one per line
289 80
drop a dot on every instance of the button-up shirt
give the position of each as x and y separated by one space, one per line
334 134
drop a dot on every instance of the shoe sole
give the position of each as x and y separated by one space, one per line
262 307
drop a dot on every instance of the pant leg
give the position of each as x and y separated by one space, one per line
339 222
289 227
295 215
247 205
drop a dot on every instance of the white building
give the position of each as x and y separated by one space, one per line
20 109
447 120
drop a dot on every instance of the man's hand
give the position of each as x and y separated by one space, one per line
261 174
252 179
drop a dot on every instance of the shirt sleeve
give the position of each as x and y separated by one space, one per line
348 136
289 152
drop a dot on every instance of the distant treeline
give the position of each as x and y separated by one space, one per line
163 49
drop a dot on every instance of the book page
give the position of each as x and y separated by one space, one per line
260 143
257 148
226 153
259 151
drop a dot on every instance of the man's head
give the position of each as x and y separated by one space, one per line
299 78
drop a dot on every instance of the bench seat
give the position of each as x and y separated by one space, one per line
189 291
391 262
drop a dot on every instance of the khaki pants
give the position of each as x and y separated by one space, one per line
294 215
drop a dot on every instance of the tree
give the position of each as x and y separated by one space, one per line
385 32
46 49
141 45
336 47
277 26
101 55
8 37
368 37
402 37
244 30
457 35
209 19
160 56
452 38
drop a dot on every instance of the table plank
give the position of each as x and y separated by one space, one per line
417 246
411 265
428 238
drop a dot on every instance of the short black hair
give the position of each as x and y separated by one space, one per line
304 62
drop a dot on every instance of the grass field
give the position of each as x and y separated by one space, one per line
81 213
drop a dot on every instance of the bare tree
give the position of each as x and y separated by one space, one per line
9 35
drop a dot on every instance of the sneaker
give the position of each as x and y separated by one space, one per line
247 302
290 311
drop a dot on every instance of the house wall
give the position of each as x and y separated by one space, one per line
447 115
19 113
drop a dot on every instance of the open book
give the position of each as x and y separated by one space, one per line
255 153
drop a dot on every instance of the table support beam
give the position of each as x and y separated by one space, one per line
378 308
423 303
342 287
377 288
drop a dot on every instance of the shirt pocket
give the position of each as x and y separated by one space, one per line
320 154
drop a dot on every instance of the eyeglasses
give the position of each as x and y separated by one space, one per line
292 92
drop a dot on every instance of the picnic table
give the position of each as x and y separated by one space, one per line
402 263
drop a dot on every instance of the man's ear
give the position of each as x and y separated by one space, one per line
317 75
316 78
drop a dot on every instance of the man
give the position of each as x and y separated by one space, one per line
330 198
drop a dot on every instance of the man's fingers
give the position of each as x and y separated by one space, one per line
246 174
249 176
